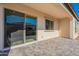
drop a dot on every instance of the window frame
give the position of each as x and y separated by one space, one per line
51 23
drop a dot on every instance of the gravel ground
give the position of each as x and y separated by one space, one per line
50 47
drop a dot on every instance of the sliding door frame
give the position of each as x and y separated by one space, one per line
24 31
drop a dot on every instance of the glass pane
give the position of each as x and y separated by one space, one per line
30 24
14 27
49 25
76 26
52 25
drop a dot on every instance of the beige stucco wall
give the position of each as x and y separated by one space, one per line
74 34
41 32
47 34
65 28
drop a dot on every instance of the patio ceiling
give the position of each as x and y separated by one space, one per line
53 9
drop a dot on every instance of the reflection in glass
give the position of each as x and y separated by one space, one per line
30 24
14 26
49 25
18 29
76 26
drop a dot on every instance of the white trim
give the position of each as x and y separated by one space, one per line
66 9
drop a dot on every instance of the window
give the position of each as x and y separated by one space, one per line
49 24
76 26
18 28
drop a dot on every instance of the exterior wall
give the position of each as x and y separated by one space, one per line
46 34
65 28
41 32
73 33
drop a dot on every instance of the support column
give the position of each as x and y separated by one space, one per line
1 28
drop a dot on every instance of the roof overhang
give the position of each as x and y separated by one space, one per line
68 6
54 9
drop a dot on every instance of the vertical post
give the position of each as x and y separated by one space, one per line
24 29
1 28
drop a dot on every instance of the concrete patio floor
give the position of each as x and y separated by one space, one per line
50 47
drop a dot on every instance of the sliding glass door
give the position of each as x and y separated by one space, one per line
14 26
18 29
30 24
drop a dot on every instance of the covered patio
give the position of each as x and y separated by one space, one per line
50 47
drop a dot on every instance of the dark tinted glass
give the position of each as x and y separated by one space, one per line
30 24
49 25
14 26
52 25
